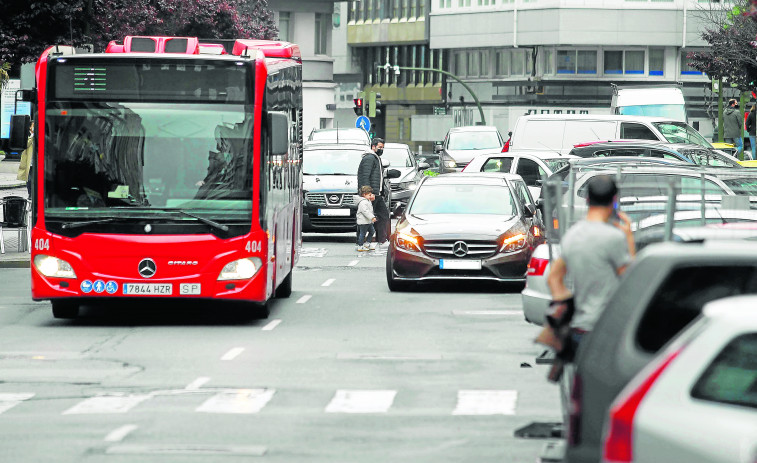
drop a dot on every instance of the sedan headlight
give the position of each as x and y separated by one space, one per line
407 242
514 240
408 185
450 163
242 269
50 266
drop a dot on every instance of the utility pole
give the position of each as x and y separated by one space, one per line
397 69
720 110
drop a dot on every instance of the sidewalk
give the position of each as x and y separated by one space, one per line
9 186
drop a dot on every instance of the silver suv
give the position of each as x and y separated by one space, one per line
462 144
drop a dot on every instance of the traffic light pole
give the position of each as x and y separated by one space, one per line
451 76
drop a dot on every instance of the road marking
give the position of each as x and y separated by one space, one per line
498 313
482 402
361 401
197 384
118 434
187 449
10 400
304 299
232 353
313 252
272 325
107 404
239 401
353 263
328 282
349 356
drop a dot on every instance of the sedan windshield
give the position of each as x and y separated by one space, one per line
331 161
397 157
104 156
680 132
742 185
473 140
464 199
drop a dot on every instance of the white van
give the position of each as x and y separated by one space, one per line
655 101
560 132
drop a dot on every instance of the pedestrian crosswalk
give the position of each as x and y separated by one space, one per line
251 401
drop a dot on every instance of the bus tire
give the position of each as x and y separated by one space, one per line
285 288
65 309
262 309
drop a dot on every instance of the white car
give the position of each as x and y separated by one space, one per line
531 166
696 402
536 296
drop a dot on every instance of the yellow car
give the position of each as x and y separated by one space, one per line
730 148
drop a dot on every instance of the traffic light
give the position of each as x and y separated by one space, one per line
358 106
374 106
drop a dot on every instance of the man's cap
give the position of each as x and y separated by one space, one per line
602 189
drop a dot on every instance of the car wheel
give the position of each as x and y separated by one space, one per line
285 288
393 283
65 309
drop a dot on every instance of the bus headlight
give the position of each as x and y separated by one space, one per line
242 269
50 266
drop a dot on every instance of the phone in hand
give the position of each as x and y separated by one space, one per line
614 217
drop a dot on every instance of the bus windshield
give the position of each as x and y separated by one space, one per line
104 156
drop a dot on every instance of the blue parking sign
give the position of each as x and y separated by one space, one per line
362 122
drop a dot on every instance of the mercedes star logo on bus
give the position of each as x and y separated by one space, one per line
460 249
147 268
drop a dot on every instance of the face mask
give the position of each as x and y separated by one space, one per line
379 151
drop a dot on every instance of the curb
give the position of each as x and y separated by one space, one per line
11 186
14 263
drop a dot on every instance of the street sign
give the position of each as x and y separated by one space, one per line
364 123
440 111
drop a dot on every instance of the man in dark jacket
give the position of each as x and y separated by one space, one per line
751 128
371 173
733 127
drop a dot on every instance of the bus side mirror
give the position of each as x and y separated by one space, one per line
278 128
19 132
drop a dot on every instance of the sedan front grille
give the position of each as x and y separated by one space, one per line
474 249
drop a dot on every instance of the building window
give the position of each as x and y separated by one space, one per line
686 69
518 63
656 61
614 62
462 3
502 63
549 61
285 23
576 61
461 63
473 64
587 61
484 64
566 61
322 21
624 62
634 62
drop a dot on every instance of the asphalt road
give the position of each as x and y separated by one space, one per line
342 371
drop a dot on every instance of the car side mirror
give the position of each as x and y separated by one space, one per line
530 210
393 173
423 166
385 162
438 146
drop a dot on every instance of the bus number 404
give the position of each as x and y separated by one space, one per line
253 246
42 244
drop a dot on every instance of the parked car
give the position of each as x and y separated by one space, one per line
464 143
536 295
662 292
696 401
690 153
330 186
464 226
561 132
351 135
411 172
531 166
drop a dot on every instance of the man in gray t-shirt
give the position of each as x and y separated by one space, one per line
595 252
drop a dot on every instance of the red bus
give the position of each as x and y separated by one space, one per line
166 172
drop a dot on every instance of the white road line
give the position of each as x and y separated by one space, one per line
500 313
239 401
272 325
107 404
10 400
118 434
361 401
197 384
328 282
409 357
353 263
232 353
482 402
304 299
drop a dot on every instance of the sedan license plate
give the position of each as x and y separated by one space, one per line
148 289
459 264
334 212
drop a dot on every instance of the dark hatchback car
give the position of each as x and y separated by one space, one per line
690 153
464 226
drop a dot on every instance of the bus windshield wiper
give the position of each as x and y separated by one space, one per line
202 219
69 225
